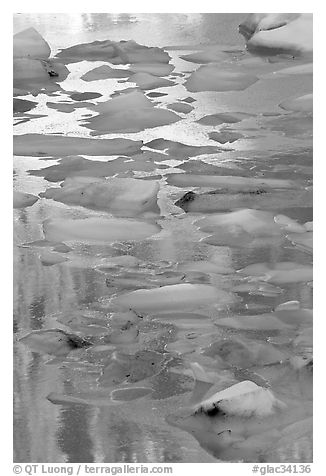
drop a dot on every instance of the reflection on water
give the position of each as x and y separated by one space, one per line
93 429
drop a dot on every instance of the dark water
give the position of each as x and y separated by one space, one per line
276 145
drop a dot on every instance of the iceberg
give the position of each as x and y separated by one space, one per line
30 44
244 399
275 33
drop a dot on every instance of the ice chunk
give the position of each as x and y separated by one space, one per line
120 196
115 52
85 96
279 273
258 289
22 200
80 167
22 105
225 136
299 104
254 222
68 107
211 54
294 316
214 77
223 118
180 107
288 224
54 342
129 112
49 259
96 230
29 43
243 353
244 399
303 241
179 150
129 394
204 267
155 69
299 69
40 145
308 226
105 72
214 201
35 75
149 81
262 322
288 305
224 181
174 297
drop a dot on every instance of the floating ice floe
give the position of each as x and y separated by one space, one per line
257 289
180 107
243 353
223 118
174 297
204 267
254 222
80 167
105 72
22 105
224 181
277 320
210 202
306 68
54 342
23 200
147 81
49 259
303 241
274 33
120 196
155 69
96 230
289 225
299 104
30 44
114 52
84 96
279 273
244 399
214 77
211 54
179 150
129 112
225 136
40 145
